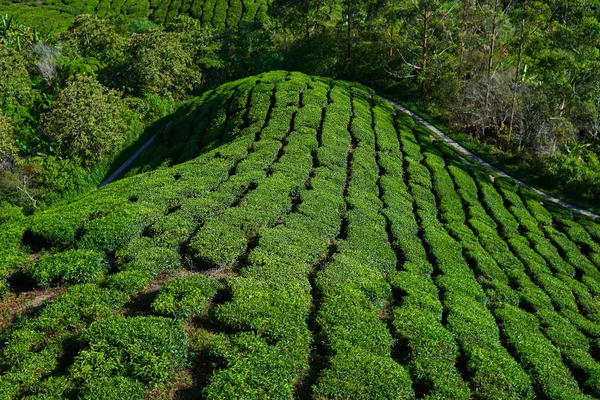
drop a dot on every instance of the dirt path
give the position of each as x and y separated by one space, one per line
451 142
24 303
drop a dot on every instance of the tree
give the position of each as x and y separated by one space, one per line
159 63
15 84
530 17
87 121
201 41
425 40
93 37
8 147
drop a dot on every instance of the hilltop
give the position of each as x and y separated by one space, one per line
295 236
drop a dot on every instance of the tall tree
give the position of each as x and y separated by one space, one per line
425 39
529 17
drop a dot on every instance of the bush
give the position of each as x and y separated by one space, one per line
87 121
357 374
112 388
9 151
256 369
130 281
116 229
90 36
58 175
69 267
541 359
273 311
219 245
187 296
145 349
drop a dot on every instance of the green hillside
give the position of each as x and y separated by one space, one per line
288 236
58 14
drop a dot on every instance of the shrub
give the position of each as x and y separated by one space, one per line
541 359
186 296
81 303
348 320
58 175
256 369
145 349
145 254
112 388
273 311
357 374
130 281
69 267
116 229
9 151
219 245
90 36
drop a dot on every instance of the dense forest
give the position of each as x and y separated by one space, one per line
520 77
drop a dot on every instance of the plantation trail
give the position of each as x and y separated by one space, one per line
454 144
127 163
25 303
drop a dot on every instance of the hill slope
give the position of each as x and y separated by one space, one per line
58 14
294 236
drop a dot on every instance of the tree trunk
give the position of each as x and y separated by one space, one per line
517 73
460 72
306 9
391 42
424 45
349 3
489 69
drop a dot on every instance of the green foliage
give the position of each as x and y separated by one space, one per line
254 368
542 359
112 388
186 296
91 37
160 63
16 88
146 349
87 121
352 372
130 281
58 174
69 267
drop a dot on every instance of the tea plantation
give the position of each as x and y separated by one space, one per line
288 236
58 14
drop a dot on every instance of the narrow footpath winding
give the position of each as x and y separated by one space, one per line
127 163
442 136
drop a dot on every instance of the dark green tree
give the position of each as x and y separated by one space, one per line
161 63
16 88
90 36
87 121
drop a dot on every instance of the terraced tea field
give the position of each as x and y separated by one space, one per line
296 237
58 14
